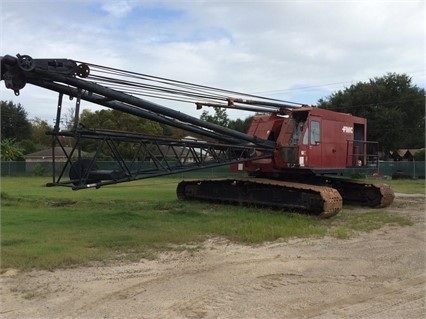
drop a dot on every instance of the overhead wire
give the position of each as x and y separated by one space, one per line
410 73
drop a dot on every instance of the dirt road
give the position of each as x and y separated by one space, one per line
373 275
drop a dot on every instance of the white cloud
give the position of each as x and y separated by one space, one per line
117 9
292 49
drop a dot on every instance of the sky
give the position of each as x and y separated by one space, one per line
298 51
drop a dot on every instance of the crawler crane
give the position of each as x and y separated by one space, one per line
296 157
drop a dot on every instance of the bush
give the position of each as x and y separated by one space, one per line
40 170
420 156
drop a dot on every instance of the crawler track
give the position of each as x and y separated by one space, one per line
321 201
357 192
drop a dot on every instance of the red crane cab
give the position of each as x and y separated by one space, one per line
313 140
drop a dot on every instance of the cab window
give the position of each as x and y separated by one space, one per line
306 136
315 133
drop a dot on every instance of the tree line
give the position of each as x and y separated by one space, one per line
393 106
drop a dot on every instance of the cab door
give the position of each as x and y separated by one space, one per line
315 141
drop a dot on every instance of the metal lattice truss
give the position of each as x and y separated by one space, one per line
122 157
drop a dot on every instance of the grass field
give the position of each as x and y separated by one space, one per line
415 186
47 228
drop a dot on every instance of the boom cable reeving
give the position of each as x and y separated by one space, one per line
163 88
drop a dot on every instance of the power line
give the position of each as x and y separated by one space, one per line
278 91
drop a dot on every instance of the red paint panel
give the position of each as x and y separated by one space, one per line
328 143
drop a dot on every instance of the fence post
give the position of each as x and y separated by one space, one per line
414 168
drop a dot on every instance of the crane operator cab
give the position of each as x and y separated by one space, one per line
315 140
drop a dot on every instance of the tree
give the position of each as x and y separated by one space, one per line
39 128
28 146
393 106
69 118
220 117
240 125
117 121
420 156
14 122
10 151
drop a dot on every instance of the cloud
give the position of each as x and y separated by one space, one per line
117 9
293 50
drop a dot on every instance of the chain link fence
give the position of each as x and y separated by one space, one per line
402 169
12 168
393 169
